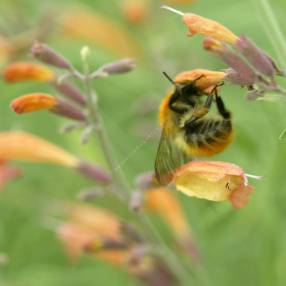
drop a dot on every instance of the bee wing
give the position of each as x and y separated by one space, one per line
169 158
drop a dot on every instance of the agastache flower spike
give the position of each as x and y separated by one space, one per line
39 101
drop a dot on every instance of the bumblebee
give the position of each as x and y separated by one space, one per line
186 131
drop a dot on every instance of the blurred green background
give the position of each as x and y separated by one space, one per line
239 247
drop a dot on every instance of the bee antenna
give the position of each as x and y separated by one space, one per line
168 77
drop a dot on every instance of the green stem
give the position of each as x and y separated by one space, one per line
120 181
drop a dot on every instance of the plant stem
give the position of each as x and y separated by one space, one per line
120 181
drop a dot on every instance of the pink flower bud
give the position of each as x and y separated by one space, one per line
49 56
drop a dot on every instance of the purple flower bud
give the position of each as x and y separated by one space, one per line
121 66
94 172
145 180
68 110
255 56
244 74
238 78
49 56
71 91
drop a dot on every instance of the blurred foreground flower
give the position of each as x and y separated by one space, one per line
23 71
7 173
215 181
135 11
39 101
163 202
98 232
17 145
100 30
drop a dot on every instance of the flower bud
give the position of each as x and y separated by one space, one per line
39 101
24 71
49 56
240 73
145 180
136 201
255 56
212 45
121 66
70 91
94 172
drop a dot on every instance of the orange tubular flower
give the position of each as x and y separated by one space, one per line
24 71
208 28
39 101
135 11
205 27
33 102
88 227
215 181
165 203
16 145
205 80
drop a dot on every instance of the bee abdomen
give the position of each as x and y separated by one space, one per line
208 137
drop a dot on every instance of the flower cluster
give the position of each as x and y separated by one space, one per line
249 66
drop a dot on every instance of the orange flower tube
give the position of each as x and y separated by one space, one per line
24 71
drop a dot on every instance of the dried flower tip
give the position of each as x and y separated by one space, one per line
47 55
94 172
136 201
70 91
215 181
121 66
145 180
90 194
24 71
39 101
255 56
16 145
204 80
240 73
208 28
212 45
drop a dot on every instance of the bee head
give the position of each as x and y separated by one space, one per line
178 87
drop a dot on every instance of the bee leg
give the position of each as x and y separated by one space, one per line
221 107
202 111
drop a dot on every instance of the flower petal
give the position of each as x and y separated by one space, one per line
33 102
209 28
204 79
23 71
211 180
